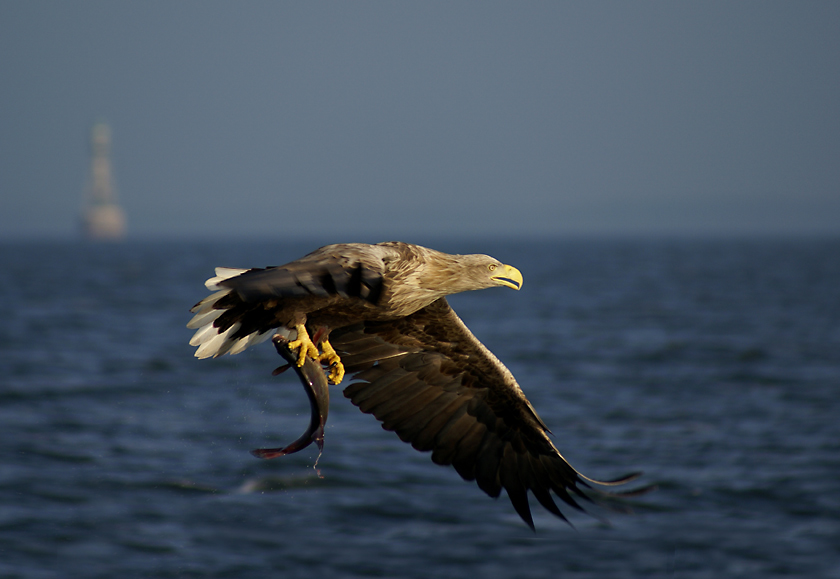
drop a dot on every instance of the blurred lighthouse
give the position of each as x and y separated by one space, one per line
103 218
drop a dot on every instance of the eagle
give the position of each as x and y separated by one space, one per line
379 313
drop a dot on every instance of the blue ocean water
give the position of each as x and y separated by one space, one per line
713 366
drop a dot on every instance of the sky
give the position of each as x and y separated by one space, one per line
387 120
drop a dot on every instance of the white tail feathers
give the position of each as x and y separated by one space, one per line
204 318
210 342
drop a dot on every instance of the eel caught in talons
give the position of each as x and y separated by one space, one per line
315 383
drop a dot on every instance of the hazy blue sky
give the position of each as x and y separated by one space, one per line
394 119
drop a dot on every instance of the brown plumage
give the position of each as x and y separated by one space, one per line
416 367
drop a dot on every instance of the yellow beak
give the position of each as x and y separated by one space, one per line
509 276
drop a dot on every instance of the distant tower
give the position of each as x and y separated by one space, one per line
103 219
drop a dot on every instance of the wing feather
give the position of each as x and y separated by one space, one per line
406 399
463 459
410 418
449 436
487 463
399 389
509 474
425 438
383 389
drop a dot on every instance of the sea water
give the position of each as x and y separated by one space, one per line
711 365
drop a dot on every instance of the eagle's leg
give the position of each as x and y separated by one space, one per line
331 358
303 344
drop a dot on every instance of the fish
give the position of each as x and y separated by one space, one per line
314 381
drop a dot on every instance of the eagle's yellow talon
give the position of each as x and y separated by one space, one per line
304 345
331 358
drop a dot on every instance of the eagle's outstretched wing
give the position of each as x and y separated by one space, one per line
346 270
429 379
249 304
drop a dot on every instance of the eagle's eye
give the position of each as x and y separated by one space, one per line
492 267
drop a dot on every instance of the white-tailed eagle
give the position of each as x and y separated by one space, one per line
379 313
